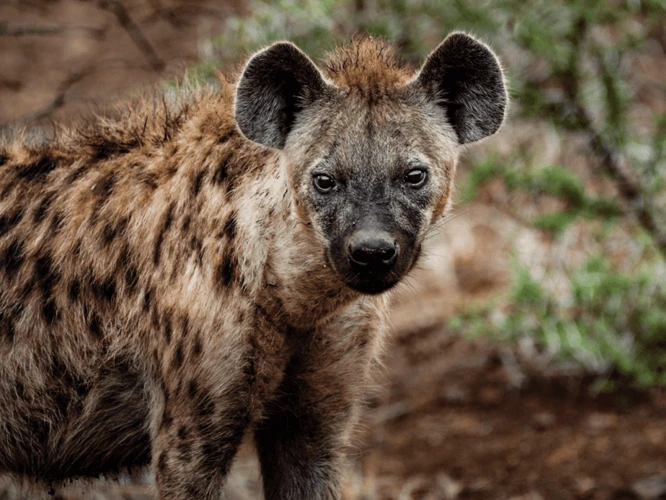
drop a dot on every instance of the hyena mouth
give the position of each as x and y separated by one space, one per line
372 277
373 284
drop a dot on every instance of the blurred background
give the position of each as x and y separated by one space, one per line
529 354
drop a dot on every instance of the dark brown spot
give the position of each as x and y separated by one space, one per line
74 290
225 271
171 170
168 329
103 147
20 389
197 248
230 227
56 367
44 275
81 387
76 251
197 347
205 405
105 186
57 221
36 171
162 462
147 300
250 370
184 448
182 433
8 222
109 233
217 454
75 175
149 179
167 419
7 327
105 290
43 207
184 325
186 222
38 428
231 185
131 278
196 183
193 389
178 356
95 326
155 319
225 137
221 173
50 312
166 224
62 398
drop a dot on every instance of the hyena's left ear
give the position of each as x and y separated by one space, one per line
464 77
276 85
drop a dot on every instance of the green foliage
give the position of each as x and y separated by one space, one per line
615 323
552 181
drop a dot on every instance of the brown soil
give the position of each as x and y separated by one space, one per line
454 418
457 416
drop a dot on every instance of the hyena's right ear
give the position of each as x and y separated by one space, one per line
276 85
464 77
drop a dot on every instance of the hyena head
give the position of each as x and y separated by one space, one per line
370 147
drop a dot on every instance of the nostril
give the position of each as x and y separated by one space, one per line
373 254
360 255
388 255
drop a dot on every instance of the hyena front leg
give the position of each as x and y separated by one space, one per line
198 434
303 437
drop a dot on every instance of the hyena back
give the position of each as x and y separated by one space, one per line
196 268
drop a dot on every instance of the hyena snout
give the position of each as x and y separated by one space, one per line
372 250
374 255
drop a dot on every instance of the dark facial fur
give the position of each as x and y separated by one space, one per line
373 218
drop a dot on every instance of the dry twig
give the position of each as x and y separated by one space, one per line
58 101
181 15
573 110
37 30
133 30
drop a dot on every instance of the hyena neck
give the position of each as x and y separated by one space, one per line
227 222
297 282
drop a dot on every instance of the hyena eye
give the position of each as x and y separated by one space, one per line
416 177
324 183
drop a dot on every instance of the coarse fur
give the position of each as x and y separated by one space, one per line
173 276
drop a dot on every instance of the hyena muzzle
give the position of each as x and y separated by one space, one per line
211 264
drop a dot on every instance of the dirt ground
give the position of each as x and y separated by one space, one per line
452 418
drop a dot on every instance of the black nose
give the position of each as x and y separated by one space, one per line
372 249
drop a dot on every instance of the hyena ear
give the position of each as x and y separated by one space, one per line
464 77
276 85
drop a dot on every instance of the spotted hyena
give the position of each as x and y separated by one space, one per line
199 267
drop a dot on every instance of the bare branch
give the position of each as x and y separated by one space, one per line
574 114
133 30
36 30
10 83
58 101
181 15
617 165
